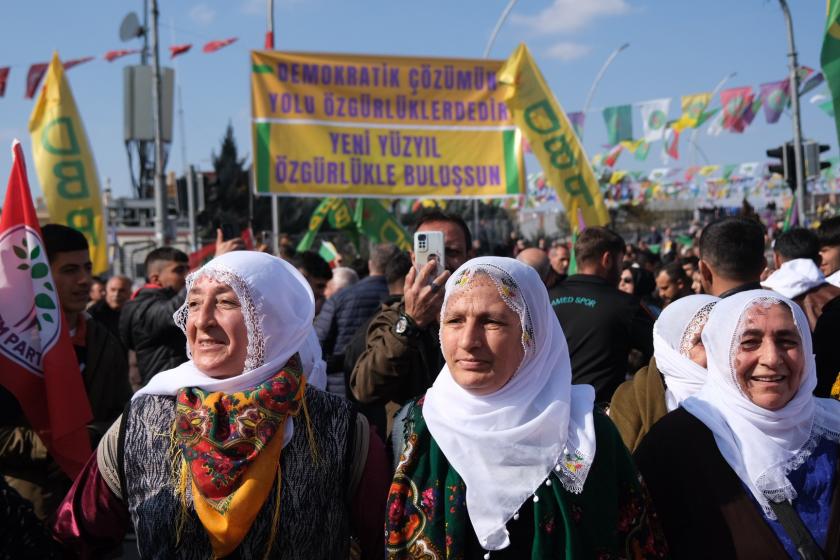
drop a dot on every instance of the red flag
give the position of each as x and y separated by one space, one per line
612 155
672 143
111 56
175 50
34 77
4 78
76 61
213 46
734 102
37 360
37 71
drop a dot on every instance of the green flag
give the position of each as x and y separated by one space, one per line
619 122
337 214
830 56
375 222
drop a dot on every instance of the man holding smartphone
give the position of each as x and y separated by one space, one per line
402 355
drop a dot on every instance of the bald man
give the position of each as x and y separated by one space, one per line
107 310
538 260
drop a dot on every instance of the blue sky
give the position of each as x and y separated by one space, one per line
676 48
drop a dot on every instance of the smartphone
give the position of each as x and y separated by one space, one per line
228 232
428 245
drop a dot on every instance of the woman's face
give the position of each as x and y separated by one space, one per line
216 329
769 360
481 338
626 282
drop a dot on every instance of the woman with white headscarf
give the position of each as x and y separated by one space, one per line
234 453
676 371
503 457
747 468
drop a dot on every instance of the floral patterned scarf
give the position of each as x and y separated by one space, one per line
229 446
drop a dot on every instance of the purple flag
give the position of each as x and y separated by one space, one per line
576 119
774 96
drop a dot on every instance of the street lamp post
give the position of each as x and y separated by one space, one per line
490 41
797 123
595 84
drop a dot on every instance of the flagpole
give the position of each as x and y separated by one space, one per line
490 41
694 132
797 123
595 82
275 200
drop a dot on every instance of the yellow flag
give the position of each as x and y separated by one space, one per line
692 109
64 163
541 119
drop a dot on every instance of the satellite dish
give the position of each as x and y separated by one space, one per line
130 27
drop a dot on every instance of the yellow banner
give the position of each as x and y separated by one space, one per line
64 163
382 127
553 141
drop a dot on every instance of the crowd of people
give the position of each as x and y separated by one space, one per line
597 399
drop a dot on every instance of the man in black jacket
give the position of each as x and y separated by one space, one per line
343 314
146 325
601 323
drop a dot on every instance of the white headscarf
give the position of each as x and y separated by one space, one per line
795 277
834 278
278 307
504 445
762 446
313 365
672 335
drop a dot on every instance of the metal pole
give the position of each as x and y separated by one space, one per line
797 123
191 205
490 41
275 226
502 18
694 132
160 187
144 54
595 84
269 32
275 201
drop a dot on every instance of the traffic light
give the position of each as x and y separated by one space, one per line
813 165
787 163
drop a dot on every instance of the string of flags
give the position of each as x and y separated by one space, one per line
699 182
36 71
739 107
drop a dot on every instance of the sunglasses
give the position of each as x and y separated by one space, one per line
626 279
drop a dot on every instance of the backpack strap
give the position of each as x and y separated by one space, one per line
796 530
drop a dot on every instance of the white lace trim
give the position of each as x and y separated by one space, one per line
774 483
509 291
251 310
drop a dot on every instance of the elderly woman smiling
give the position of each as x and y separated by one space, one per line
234 452
748 467
503 457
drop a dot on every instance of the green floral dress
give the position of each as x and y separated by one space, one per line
612 518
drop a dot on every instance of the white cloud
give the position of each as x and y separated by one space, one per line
568 51
564 16
202 14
